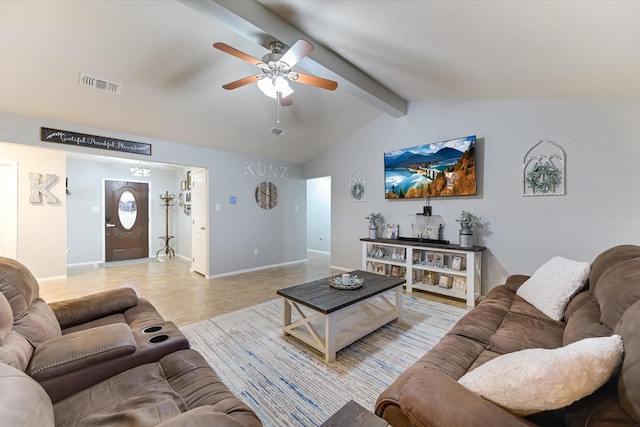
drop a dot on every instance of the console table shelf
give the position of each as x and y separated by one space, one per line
443 269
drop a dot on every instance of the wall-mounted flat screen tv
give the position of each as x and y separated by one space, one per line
446 168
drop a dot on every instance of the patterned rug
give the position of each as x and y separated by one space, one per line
288 384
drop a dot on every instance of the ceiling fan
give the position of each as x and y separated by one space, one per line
275 70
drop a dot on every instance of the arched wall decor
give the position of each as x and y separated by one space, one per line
358 188
544 170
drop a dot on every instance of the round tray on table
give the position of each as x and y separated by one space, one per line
354 282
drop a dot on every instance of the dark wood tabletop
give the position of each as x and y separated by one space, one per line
321 297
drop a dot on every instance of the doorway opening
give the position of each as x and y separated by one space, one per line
319 215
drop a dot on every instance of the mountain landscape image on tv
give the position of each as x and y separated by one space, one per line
446 168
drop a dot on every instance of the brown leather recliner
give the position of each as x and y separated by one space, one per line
104 359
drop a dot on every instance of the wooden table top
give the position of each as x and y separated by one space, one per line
321 297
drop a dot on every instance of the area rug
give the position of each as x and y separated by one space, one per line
288 384
127 262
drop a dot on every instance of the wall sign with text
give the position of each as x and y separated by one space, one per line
93 141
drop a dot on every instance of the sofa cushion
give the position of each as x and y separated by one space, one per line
629 378
617 290
535 380
18 285
609 258
23 402
584 321
6 318
38 324
553 284
520 332
150 394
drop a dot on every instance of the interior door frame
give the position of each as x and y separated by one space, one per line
104 222
205 212
9 201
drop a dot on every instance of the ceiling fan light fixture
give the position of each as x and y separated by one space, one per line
271 86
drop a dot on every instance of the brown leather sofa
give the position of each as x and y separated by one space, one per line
105 359
428 393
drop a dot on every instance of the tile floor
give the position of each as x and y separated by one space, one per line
185 297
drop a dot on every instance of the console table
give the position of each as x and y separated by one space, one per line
443 269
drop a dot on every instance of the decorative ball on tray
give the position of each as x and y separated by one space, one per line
346 282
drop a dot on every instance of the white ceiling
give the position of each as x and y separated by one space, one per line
161 52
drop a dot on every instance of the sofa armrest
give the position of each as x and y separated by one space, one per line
72 352
435 399
204 416
73 312
515 281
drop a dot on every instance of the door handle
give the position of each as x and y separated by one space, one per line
202 228
110 225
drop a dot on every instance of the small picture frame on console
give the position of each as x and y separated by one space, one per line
460 285
429 278
456 262
445 281
395 270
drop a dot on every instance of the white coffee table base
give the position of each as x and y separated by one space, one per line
331 332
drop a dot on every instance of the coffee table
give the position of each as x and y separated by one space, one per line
354 415
330 319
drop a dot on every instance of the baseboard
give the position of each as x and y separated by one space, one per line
262 267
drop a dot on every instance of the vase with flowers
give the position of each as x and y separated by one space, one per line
468 222
375 220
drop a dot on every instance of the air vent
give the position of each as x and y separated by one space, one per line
100 84
278 132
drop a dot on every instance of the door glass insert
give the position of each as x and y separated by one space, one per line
127 209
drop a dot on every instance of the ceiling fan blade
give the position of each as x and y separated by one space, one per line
299 50
240 83
238 54
285 102
308 79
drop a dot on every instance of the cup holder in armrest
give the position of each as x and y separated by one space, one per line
158 339
152 329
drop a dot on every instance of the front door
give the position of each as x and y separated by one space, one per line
126 220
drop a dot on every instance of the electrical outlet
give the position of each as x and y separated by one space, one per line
255 251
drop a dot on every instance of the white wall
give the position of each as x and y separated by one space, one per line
235 230
42 231
600 209
319 214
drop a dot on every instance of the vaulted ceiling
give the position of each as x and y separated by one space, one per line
384 55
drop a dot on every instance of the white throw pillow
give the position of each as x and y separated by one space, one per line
553 284
534 380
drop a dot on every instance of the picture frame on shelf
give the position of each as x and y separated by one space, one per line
439 260
381 268
445 281
390 231
395 271
430 258
456 262
460 285
398 254
429 278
